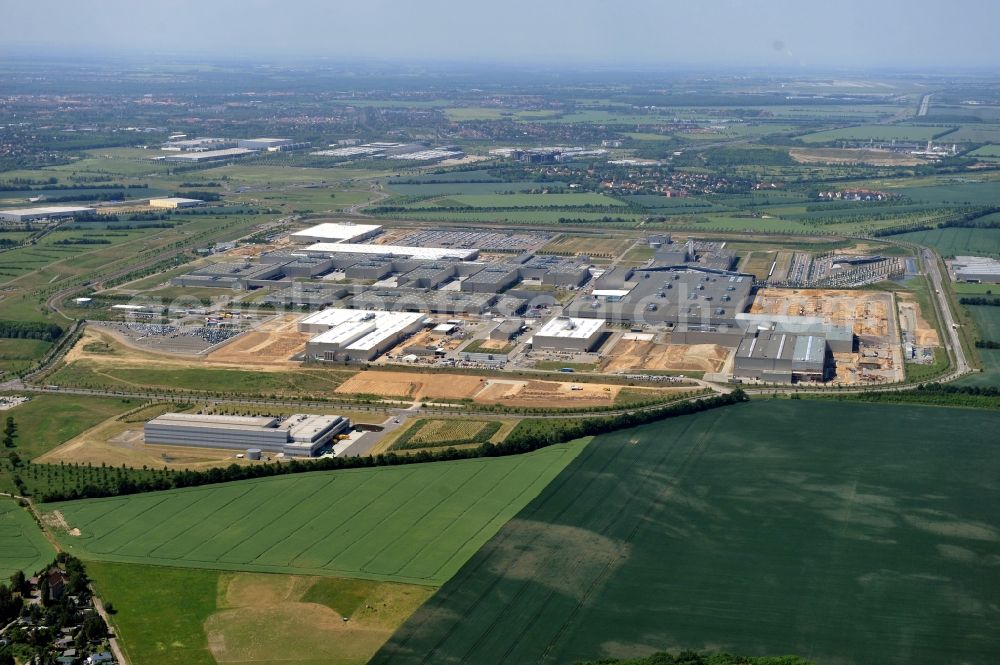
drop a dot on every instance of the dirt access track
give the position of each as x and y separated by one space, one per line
485 390
638 355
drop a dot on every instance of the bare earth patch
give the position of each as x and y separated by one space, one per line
266 619
853 156
638 355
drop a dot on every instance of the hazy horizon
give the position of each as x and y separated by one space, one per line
587 33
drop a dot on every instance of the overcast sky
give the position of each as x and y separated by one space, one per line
909 34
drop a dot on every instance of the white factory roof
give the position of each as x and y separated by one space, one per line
337 232
976 265
568 327
271 141
610 293
177 200
359 329
424 253
47 210
210 154
216 421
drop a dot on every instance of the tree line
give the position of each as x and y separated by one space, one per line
527 436
980 300
48 332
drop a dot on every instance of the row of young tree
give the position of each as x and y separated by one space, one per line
528 435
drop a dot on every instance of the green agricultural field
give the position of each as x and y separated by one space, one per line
410 188
953 242
877 133
515 216
416 523
22 545
779 526
86 373
990 152
977 193
990 374
529 200
987 320
184 616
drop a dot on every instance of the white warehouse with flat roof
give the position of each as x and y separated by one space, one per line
329 249
299 435
46 212
335 232
356 335
565 333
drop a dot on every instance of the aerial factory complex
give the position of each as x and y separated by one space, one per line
334 362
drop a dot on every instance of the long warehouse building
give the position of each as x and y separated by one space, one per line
328 249
335 232
46 212
356 335
299 435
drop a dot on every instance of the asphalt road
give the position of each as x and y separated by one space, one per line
953 343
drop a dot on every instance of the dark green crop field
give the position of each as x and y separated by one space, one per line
844 533
22 545
951 242
416 523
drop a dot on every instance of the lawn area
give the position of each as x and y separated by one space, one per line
774 527
22 545
87 373
415 524
45 421
184 616
16 354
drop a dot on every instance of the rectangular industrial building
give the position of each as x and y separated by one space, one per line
421 253
564 333
299 435
492 279
46 212
335 232
671 296
976 269
263 143
238 276
175 202
416 300
780 357
356 335
195 157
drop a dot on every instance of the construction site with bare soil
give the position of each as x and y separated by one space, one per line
640 355
869 315
491 390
